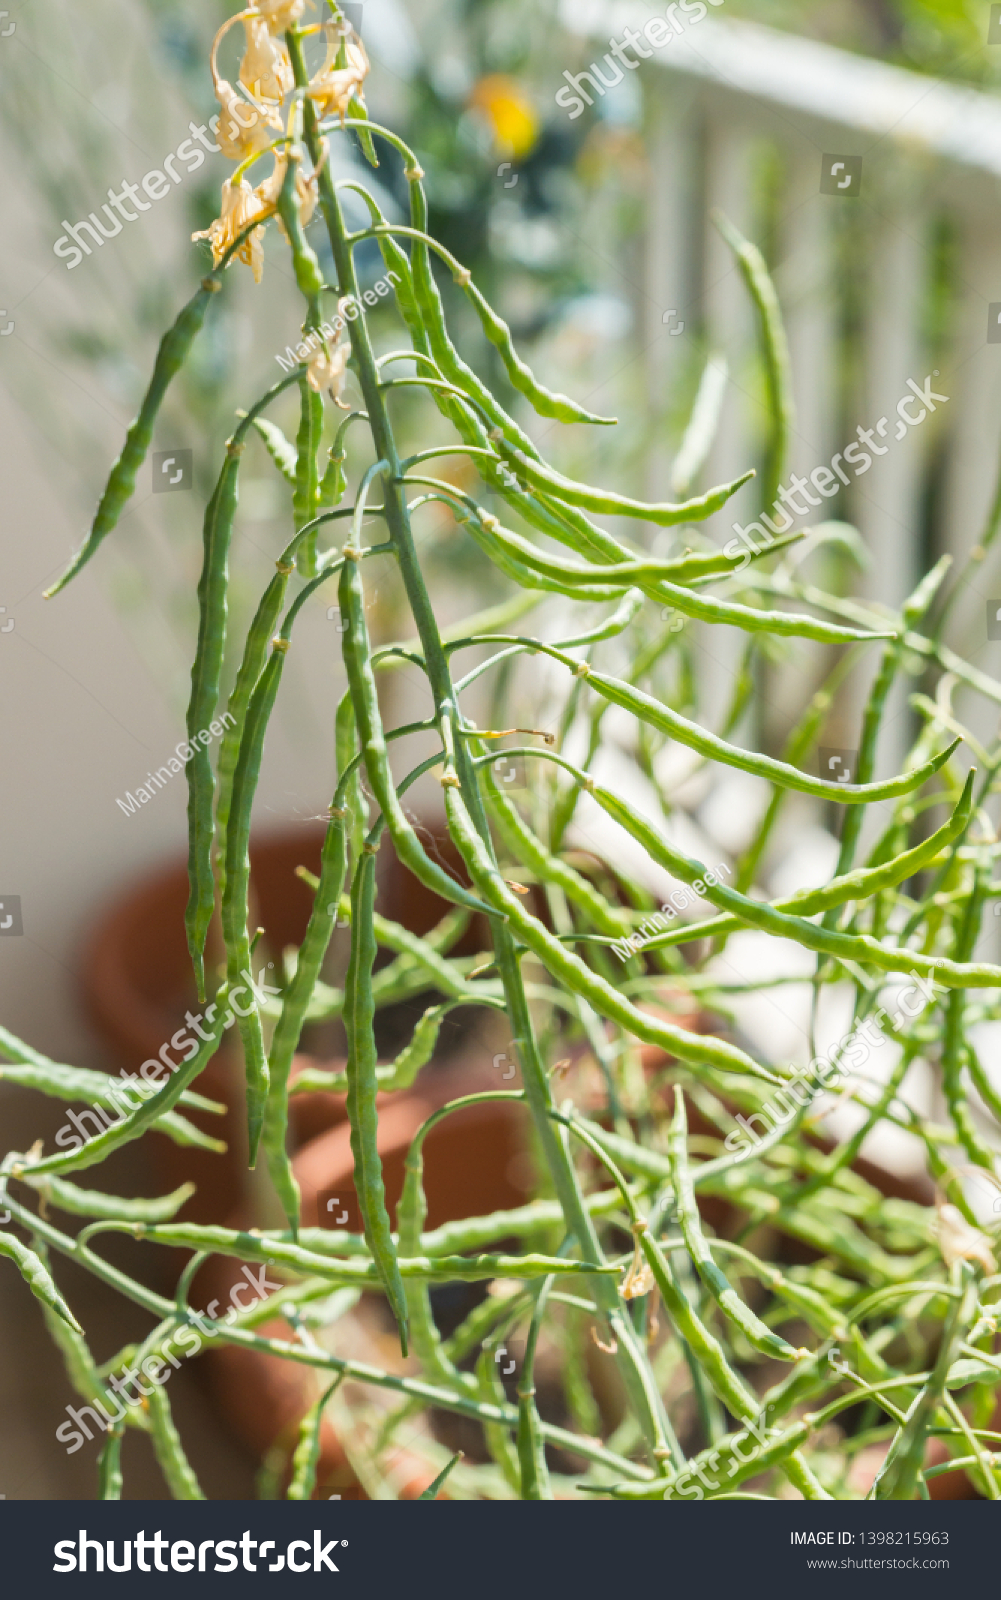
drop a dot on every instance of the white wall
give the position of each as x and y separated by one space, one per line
93 683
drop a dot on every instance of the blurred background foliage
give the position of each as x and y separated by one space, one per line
546 211
945 37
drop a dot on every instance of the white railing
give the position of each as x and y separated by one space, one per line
728 101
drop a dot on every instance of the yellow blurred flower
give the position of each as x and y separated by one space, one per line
333 88
509 112
240 207
265 71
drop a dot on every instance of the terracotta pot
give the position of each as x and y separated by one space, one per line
474 1163
137 985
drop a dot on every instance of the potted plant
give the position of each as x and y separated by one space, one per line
696 1299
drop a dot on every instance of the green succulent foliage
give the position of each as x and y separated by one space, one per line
628 1180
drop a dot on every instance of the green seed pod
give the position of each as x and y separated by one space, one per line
212 605
512 568
651 578
954 1054
306 497
548 868
34 1071
81 1369
166 1440
304 261
411 1214
579 494
38 1279
900 1473
306 1458
67 1197
754 1330
334 481
778 374
359 1011
431 1492
544 402
213 586
859 885
278 447
535 1484
294 1003
170 358
843 946
255 655
418 1052
358 664
184 1133
109 1467
806 1302
730 1462
660 716
237 887
139 1121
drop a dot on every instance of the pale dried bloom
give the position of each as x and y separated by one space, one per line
265 71
639 1279
280 14
240 207
326 370
958 1241
243 130
268 191
334 88
329 372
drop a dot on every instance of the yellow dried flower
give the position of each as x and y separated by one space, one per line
240 207
639 1279
280 14
268 191
334 88
265 71
243 129
327 371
